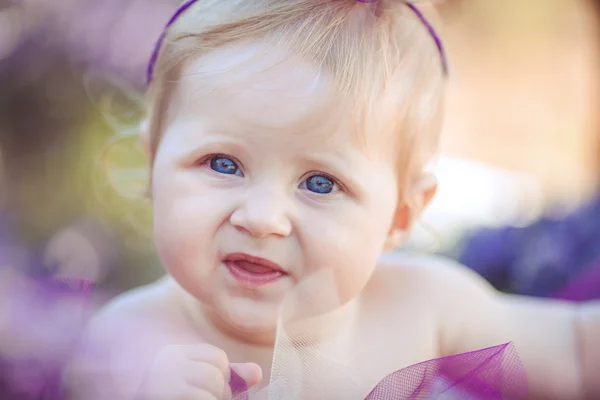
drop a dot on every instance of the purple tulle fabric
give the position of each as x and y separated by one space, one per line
492 373
495 373
238 386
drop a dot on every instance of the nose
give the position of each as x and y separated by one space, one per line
263 213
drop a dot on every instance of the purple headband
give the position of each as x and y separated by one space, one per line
183 8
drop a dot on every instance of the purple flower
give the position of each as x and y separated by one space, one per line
540 259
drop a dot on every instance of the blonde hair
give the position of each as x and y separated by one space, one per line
383 61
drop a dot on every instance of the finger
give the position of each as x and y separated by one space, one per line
227 394
206 353
235 384
244 376
206 377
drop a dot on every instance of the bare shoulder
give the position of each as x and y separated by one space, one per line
436 276
139 301
448 295
411 296
119 343
440 288
469 315
129 313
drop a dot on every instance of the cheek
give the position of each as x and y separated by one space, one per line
350 244
185 223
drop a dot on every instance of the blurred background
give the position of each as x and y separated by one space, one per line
519 166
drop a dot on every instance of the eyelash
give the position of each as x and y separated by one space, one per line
203 162
336 181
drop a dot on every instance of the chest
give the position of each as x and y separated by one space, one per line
378 342
353 362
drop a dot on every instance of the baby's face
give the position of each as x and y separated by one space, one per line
238 175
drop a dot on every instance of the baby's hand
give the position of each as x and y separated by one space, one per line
194 372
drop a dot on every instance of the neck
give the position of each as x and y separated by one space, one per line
258 346
208 325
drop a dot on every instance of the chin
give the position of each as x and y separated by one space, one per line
249 319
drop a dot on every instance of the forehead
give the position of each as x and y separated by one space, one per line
252 79
260 88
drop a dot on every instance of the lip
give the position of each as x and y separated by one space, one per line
233 257
235 264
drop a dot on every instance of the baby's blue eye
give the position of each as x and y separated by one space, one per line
224 165
319 184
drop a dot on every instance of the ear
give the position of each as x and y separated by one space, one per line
144 137
423 193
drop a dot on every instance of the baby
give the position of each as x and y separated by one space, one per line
288 141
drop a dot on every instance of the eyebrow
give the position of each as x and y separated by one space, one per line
334 163
188 139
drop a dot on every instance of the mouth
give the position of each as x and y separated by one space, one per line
253 271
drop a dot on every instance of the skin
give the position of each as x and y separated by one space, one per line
385 311
263 209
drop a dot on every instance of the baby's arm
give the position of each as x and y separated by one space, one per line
132 351
118 347
109 363
558 342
